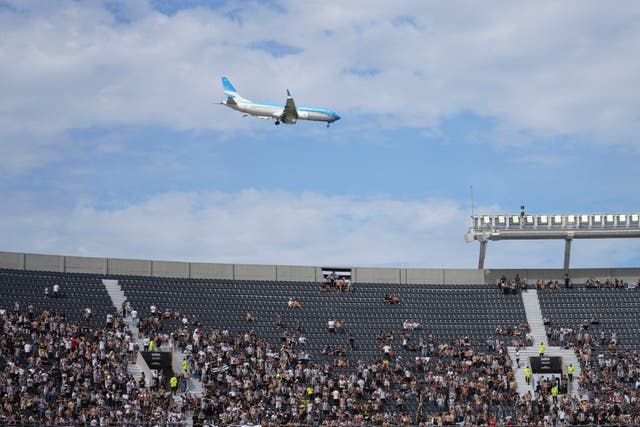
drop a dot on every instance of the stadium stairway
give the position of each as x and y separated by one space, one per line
534 318
194 385
115 292
133 368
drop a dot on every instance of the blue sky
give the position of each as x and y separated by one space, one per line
113 144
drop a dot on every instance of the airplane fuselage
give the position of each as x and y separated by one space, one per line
273 111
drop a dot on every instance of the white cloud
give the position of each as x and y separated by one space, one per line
277 227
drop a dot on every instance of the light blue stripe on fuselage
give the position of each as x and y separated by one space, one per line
269 108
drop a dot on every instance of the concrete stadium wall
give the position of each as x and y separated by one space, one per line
129 267
170 269
254 272
39 262
12 260
74 264
376 275
417 276
198 270
203 270
289 273
463 276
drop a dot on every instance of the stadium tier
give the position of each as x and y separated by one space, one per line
615 309
448 312
313 353
77 293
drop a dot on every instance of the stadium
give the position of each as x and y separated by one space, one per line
168 261
98 341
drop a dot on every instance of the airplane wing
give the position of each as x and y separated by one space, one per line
290 113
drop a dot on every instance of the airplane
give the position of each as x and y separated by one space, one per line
288 113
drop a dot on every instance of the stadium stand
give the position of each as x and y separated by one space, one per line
243 341
77 292
448 312
616 310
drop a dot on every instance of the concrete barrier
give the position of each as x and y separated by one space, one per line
118 266
129 267
289 273
254 272
464 277
75 264
377 275
12 260
39 262
170 269
628 275
202 270
418 276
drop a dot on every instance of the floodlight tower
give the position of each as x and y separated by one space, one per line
566 227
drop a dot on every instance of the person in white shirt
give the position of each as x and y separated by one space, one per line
331 325
134 318
56 290
109 320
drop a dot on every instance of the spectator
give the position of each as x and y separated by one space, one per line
567 281
134 318
332 278
294 303
109 322
391 299
87 314
56 290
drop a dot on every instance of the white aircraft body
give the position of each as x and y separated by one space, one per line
287 113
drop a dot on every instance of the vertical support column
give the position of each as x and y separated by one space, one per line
567 252
483 252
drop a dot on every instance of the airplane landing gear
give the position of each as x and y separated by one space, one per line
277 122
328 124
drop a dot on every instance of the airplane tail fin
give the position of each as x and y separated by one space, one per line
231 91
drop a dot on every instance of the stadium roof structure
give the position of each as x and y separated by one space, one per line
559 226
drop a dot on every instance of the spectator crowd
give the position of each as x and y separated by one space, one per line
54 372
57 372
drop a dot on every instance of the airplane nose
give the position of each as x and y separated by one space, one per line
336 117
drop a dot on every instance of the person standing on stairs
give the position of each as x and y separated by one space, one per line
134 318
541 349
173 383
570 370
527 375
518 357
